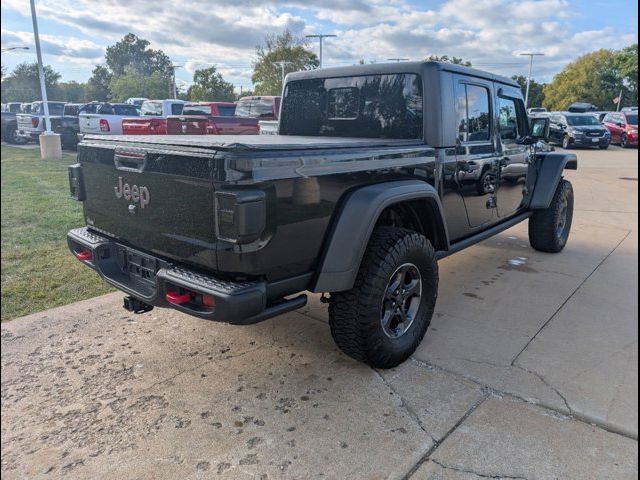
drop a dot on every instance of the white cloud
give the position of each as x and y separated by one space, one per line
490 33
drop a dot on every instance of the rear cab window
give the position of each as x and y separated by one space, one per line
196 110
126 110
255 107
151 109
366 106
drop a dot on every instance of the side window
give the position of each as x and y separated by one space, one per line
176 108
473 113
510 127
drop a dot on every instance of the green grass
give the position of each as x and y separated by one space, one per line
38 272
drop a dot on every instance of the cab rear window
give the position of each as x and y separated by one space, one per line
366 106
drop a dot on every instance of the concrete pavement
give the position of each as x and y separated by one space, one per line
529 371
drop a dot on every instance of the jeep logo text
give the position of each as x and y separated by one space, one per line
133 193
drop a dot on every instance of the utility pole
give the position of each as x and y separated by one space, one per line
174 88
50 146
320 36
397 59
530 55
619 101
282 64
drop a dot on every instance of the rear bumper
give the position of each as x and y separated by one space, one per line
150 279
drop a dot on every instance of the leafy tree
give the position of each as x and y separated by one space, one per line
245 93
134 52
208 84
627 63
594 78
446 58
98 84
23 83
267 75
134 84
72 92
536 90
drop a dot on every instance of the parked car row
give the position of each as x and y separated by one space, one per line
585 126
138 116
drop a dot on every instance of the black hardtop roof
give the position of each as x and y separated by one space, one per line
399 67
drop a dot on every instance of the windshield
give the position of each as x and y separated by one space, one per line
14 107
632 120
196 110
128 110
54 108
367 106
255 107
582 120
151 109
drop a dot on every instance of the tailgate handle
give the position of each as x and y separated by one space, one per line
130 161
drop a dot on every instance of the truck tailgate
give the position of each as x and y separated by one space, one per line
159 201
187 125
89 123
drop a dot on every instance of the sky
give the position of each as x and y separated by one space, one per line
199 33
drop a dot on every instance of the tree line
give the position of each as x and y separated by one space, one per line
132 69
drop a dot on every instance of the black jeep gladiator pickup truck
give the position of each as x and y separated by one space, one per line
378 172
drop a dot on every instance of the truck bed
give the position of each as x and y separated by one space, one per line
231 143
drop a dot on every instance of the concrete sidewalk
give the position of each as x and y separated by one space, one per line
529 371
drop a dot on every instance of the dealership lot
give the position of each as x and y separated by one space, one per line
528 371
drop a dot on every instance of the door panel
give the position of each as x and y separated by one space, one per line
513 165
476 156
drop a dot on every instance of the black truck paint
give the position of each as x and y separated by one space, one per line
232 225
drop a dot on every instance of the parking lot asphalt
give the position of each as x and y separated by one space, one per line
530 370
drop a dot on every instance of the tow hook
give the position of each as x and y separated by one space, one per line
132 304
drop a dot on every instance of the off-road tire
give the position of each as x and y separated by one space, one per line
355 315
566 142
483 184
544 232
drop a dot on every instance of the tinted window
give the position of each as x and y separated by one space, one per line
153 109
226 110
176 108
510 129
367 106
126 110
14 107
255 107
582 120
632 119
71 110
196 110
474 119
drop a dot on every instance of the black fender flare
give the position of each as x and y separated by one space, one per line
548 176
354 223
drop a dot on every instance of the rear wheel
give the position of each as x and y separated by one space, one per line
549 228
383 318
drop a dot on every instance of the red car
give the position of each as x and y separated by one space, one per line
211 118
623 127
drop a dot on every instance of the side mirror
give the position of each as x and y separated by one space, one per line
620 124
539 128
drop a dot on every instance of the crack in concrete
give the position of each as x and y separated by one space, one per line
549 385
500 393
427 456
472 472
412 414
569 298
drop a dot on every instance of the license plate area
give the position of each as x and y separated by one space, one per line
138 266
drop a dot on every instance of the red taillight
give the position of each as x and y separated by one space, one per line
208 301
104 125
177 298
35 121
212 128
84 255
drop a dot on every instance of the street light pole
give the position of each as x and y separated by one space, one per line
530 55
321 37
43 86
282 64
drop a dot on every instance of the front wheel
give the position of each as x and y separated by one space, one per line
549 228
566 142
11 136
624 141
383 318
